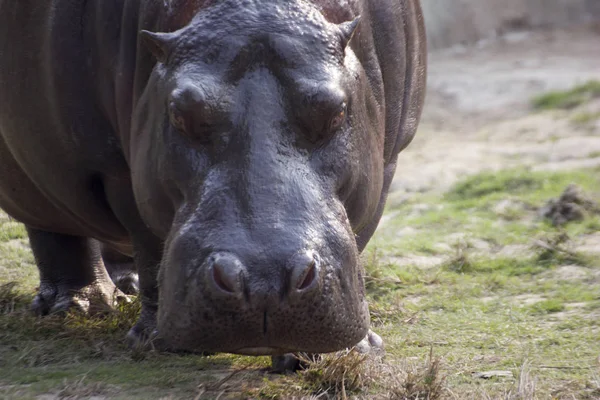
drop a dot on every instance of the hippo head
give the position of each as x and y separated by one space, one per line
258 158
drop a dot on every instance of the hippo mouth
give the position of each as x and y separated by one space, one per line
160 344
246 351
262 351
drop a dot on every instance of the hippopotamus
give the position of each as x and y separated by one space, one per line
237 153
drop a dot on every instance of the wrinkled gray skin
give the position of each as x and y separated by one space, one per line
239 150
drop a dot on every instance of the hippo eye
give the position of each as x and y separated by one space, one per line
338 120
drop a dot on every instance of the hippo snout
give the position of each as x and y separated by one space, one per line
264 301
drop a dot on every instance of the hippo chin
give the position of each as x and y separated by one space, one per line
237 153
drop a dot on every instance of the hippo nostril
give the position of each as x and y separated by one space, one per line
310 276
227 273
304 270
226 286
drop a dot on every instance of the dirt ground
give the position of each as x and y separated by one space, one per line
478 114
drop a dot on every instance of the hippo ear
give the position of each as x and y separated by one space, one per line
347 30
159 44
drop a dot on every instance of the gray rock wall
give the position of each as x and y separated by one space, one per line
451 22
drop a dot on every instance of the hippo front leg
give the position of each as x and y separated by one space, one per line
72 274
147 256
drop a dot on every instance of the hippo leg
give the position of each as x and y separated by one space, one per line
121 269
372 343
72 275
147 258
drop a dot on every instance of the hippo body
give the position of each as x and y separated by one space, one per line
239 152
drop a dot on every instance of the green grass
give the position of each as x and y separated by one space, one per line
485 309
505 182
491 209
528 185
548 306
12 230
567 99
533 312
584 118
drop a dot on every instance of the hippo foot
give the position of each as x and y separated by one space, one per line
143 335
371 344
127 282
93 299
141 338
287 363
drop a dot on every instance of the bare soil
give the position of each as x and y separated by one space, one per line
478 114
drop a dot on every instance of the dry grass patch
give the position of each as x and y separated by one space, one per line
11 299
349 374
81 389
557 249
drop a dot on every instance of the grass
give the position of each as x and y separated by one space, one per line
584 118
567 99
348 374
482 299
489 210
548 306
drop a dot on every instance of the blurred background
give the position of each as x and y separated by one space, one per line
451 22
488 61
